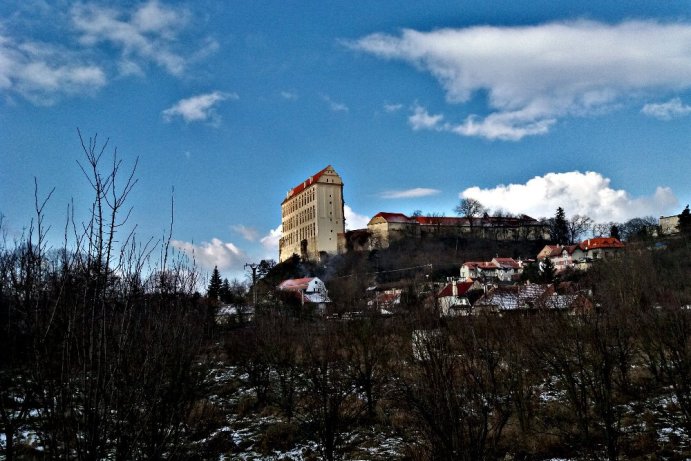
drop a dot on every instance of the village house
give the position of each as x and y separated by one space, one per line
385 301
308 290
601 248
562 256
513 298
582 255
498 269
453 300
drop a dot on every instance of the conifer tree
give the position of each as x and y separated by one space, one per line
560 227
214 289
224 292
614 232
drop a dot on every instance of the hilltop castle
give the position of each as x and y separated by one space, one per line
312 217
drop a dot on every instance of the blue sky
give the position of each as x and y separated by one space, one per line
524 105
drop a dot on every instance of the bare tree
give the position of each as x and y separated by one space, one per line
578 226
470 208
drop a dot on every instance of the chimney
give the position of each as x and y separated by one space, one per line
454 288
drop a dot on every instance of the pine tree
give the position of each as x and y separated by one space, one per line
614 232
560 228
547 271
214 289
224 292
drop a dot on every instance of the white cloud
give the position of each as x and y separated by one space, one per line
116 40
215 253
392 107
577 193
248 233
354 220
41 72
667 110
422 120
333 105
410 193
270 241
198 108
149 33
534 75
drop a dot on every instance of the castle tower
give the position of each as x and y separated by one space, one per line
312 217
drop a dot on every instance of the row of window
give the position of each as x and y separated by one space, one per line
300 218
299 235
298 202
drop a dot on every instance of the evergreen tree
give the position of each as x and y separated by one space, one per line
547 271
531 273
214 289
614 232
224 292
684 225
559 228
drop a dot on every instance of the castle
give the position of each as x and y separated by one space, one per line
313 223
312 217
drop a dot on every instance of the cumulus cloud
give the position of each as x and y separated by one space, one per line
223 255
534 75
354 220
667 110
410 193
289 95
200 108
270 241
248 233
587 193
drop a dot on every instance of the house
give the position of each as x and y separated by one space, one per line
307 290
562 256
500 269
601 248
478 270
452 298
386 301
580 256
574 303
513 298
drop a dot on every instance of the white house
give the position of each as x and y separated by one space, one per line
308 290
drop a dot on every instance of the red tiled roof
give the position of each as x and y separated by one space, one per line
295 284
600 242
462 288
480 264
440 220
507 262
557 250
305 184
392 217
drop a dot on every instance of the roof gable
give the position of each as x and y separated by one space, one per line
307 183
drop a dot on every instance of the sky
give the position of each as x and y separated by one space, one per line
225 105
